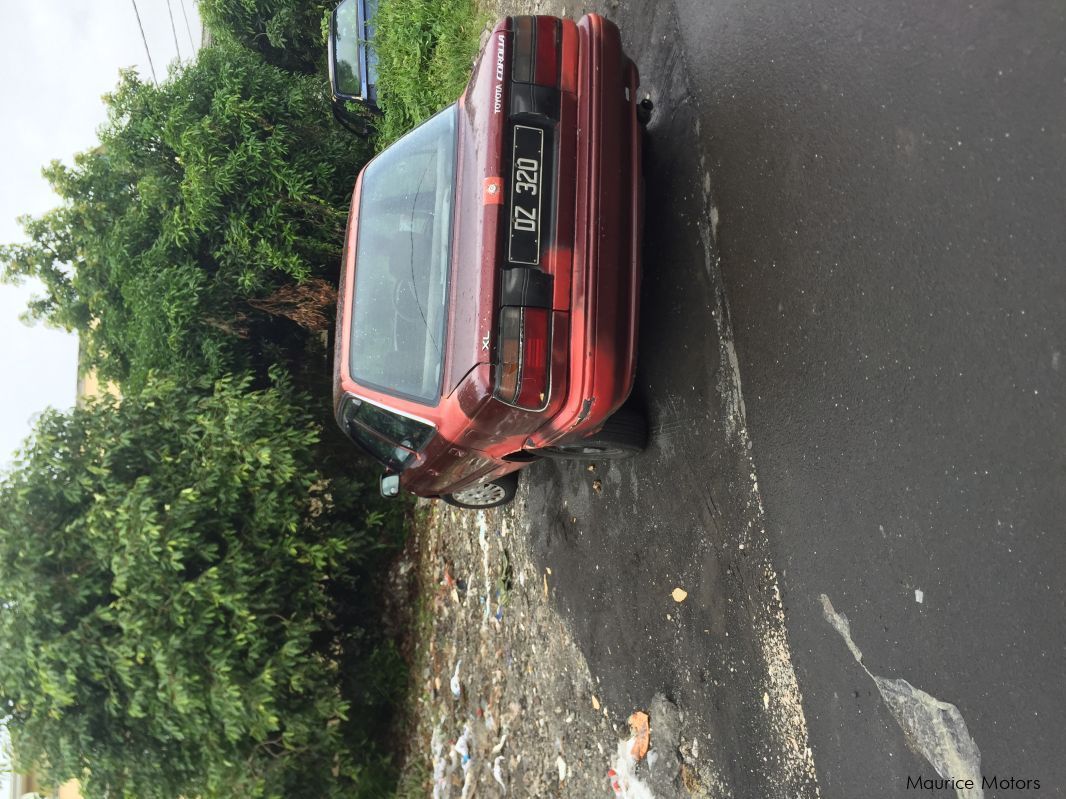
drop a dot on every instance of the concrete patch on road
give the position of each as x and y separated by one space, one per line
933 729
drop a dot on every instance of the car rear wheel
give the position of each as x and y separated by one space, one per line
490 494
623 435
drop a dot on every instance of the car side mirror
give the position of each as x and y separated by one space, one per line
390 485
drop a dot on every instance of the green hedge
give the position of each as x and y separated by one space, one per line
425 50
169 571
287 33
205 197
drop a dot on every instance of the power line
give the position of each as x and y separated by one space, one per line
187 28
173 29
143 39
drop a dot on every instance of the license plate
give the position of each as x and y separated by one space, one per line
527 186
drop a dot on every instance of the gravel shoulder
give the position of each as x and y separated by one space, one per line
504 701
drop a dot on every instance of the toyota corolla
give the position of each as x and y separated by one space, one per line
487 309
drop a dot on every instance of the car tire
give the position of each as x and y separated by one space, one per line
490 494
623 435
645 109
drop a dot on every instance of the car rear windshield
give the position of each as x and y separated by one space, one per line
402 262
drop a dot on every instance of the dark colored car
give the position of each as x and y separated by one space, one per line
487 310
352 63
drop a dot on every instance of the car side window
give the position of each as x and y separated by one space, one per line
377 447
401 429
391 438
346 49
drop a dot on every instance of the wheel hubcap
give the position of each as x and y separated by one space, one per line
484 494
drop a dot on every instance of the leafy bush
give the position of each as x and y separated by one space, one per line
425 50
169 570
205 196
288 33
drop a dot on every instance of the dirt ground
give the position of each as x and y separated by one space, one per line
505 703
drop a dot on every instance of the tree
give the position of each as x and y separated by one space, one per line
205 196
425 52
168 573
287 33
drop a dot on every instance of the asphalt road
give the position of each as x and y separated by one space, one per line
854 312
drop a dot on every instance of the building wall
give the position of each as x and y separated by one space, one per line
89 385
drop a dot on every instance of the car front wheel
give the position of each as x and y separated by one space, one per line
623 435
490 494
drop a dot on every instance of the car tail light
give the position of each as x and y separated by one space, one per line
536 50
523 354
522 60
546 63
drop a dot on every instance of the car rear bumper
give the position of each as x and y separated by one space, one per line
601 326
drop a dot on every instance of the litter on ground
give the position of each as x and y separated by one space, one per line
641 732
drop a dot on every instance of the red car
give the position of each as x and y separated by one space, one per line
487 310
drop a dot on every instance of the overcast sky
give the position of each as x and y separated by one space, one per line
58 58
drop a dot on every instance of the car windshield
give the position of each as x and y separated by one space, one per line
401 262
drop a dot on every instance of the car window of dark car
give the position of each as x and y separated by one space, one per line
391 438
402 261
346 50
